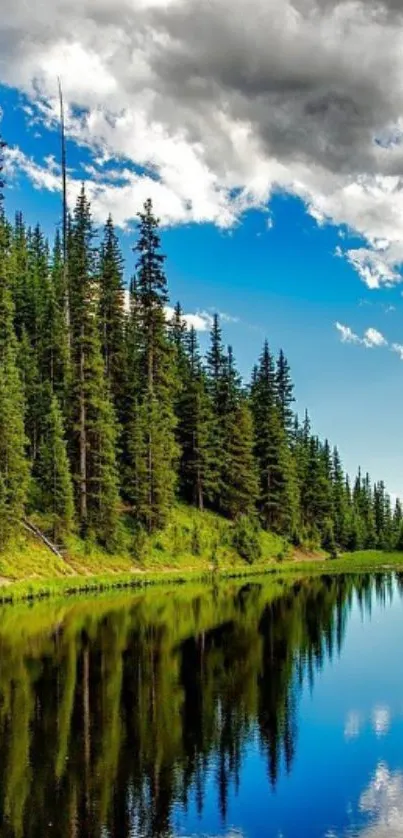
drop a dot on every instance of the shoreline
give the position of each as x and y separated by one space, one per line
34 588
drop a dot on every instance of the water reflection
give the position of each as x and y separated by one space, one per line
383 800
118 714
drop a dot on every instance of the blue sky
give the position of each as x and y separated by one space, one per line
256 224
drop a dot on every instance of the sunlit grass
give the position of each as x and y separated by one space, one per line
194 546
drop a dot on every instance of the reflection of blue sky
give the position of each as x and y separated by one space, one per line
347 777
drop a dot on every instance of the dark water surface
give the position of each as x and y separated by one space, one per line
248 710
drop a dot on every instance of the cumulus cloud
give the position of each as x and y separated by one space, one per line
222 103
346 334
372 338
202 321
398 348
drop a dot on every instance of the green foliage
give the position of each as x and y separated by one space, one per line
93 432
52 471
194 413
111 312
246 538
240 481
150 440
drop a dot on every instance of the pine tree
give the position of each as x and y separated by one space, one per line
285 393
278 496
52 471
112 311
93 425
152 446
19 274
193 432
56 345
216 365
316 493
178 334
397 522
240 481
340 500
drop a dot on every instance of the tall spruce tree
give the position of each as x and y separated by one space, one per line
316 492
92 419
340 501
240 479
152 448
278 495
112 311
194 422
216 366
285 393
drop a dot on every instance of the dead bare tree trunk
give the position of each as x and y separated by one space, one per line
64 222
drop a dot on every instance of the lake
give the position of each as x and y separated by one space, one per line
244 710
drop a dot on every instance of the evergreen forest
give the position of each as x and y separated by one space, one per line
110 412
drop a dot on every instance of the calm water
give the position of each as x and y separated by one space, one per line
248 710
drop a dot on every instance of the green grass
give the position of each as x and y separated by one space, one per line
182 552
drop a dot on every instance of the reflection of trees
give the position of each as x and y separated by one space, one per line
112 711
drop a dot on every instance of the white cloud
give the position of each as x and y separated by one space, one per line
43 177
223 104
398 348
372 337
373 267
202 321
347 335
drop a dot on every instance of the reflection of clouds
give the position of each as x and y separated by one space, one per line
352 725
383 800
381 720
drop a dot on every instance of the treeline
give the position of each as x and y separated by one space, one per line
106 408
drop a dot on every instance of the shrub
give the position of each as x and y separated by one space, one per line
246 539
139 544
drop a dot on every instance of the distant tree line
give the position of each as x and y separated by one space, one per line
106 407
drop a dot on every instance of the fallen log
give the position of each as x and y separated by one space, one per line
42 537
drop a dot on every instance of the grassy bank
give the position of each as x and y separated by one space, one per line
194 546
